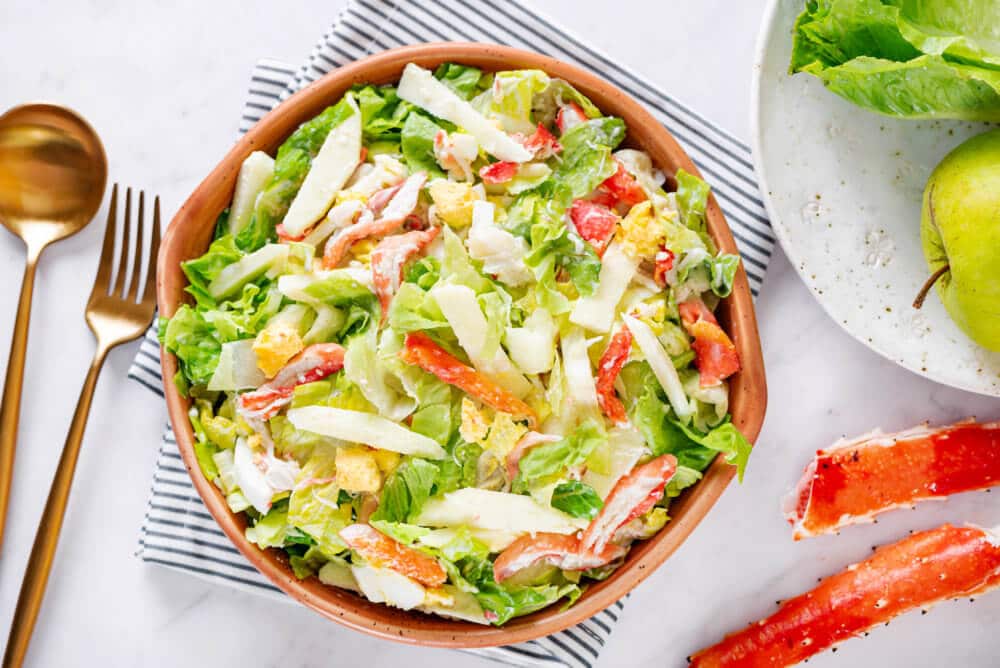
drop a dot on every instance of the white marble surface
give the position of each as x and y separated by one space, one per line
163 83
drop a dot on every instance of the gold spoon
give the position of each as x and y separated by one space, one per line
52 177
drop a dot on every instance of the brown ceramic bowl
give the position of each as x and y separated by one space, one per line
191 231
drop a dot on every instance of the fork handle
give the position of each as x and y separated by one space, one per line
36 576
10 408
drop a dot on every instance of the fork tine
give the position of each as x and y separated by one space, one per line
154 251
103 279
133 288
123 249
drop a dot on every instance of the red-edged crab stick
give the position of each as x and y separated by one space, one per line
917 572
855 480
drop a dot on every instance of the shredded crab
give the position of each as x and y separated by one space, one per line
855 480
562 550
382 551
456 152
612 361
917 572
595 222
715 354
569 116
314 363
632 495
498 172
391 210
542 143
421 351
390 256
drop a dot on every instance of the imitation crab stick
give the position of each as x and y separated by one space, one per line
314 363
855 480
917 572
381 550
421 351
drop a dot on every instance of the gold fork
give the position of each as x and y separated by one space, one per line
114 316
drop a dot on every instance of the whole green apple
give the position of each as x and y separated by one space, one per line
960 233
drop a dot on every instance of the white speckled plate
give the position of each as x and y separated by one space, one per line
843 189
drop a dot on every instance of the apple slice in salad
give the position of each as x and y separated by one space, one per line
453 348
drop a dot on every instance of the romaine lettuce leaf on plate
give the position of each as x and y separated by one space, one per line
904 58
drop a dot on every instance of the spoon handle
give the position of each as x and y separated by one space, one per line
10 408
43 551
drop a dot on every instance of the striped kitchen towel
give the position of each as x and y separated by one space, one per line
177 531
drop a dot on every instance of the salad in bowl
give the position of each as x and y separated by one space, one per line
453 347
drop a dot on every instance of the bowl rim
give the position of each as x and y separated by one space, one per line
748 387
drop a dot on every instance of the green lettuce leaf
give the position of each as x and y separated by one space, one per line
549 459
202 270
966 31
577 499
546 103
464 80
417 143
904 58
271 529
925 87
195 343
406 490
511 96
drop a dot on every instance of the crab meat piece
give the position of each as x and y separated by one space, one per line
382 551
542 143
527 442
456 152
562 550
390 218
314 363
663 262
569 116
855 480
917 572
612 361
388 259
594 222
715 355
498 172
631 496
380 198
624 187
421 351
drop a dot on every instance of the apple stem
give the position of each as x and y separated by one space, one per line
928 284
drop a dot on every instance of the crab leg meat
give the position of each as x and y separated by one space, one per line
382 551
421 351
715 355
917 572
557 549
390 219
855 480
632 495
388 259
314 363
612 361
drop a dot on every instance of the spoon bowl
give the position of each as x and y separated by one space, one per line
52 176
52 170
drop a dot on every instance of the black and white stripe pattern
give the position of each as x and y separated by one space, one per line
177 531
